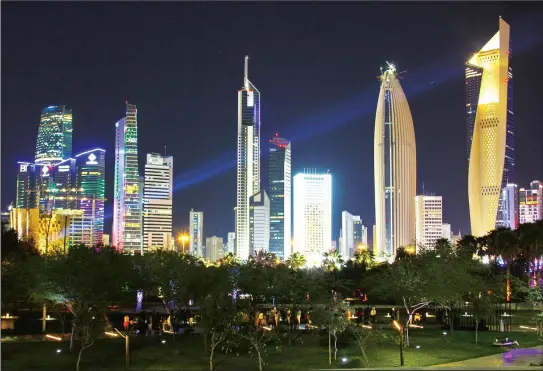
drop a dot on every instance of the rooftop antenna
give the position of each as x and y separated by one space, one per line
424 194
246 72
164 151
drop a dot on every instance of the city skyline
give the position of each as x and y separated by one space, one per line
354 194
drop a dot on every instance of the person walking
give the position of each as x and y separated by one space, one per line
126 322
373 315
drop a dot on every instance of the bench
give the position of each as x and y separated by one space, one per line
504 342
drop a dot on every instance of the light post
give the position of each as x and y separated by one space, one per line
183 238
400 329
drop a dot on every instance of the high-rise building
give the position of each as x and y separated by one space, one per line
510 206
62 191
88 229
354 235
214 248
531 203
259 222
490 137
54 142
231 243
127 205
279 178
429 220
196 233
157 202
248 159
446 232
26 186
395 166
312 215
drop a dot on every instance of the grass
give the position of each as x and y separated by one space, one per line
187 353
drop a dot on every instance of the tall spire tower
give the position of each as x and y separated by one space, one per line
489 109
395 166
248 159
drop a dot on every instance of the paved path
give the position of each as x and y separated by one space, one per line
514 358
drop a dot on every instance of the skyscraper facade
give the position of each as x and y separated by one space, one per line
157 202
490 137
429 220
127 205
510 206
312 215
280 178
26 186
231 243
214 248
196 233
531 203
248 159
88 229
259 222
54 142
354 235
395 166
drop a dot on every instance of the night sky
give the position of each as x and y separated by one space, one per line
314 63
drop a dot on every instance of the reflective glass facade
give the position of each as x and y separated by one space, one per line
54 142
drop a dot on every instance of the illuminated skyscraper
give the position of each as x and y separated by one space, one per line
531 203
489 105
312 215
510 206
214 248
280 179
429 220
395 166
157 202
54 135
196 233
259 222
26 186
354 235
127 203
88 229
248 159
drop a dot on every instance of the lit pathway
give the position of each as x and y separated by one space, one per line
514 358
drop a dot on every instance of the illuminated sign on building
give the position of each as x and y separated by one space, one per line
63 168
250 98
92 160
23 168
45 171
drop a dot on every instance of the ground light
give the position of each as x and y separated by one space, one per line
344 360
163 341
418 347
444 333
59 351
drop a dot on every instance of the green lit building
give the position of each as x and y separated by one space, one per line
54 135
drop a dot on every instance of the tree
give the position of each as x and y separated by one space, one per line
362 336
332 260
296 261
332 316
217 308
481 308
86 281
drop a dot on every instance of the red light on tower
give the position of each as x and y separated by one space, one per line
277 135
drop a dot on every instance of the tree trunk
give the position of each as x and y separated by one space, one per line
365 357
205 343
451 321
329 348
335 346
476 332
72 340
211 354
259 359
80 354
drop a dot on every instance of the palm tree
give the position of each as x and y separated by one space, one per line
365 258
296 261
332 260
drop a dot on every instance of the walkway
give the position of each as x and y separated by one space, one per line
514 358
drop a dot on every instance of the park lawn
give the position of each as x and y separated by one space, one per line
187 353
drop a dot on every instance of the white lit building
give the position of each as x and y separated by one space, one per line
446 232
231 243
354 235
214 248
259 222
157 202
510 204
531 203
429 220
248 160
196 233
312 215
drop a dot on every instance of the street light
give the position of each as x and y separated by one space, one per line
400 330
183 238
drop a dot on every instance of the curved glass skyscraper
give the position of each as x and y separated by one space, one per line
489 106
54 135
395 166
